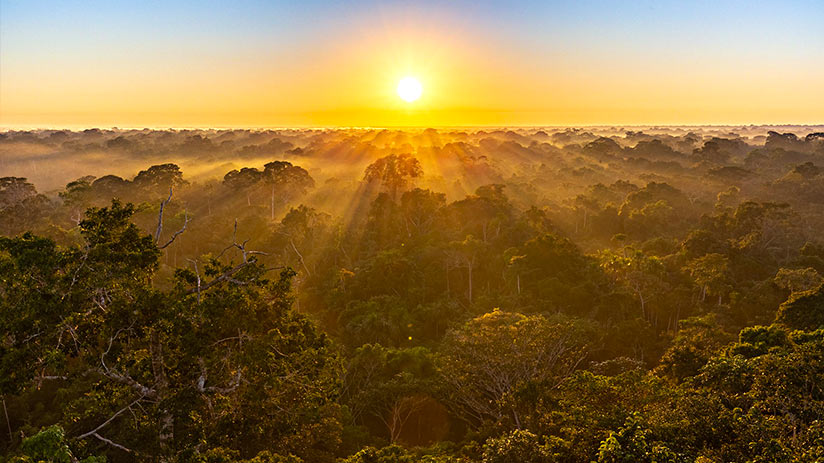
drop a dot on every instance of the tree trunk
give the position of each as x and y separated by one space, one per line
447 278
470 282
166 420
643 305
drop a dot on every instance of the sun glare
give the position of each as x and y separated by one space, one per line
409 89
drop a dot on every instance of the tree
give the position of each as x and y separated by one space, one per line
631 444
757 401
698 339
489 357
712 274
158 179
553 271
287 179
393 172
243 180
483 214
644 275
302 232
78 196
803 310
20 205
516 447
420 209
219 357
391 385
798 280
465 253
390 454
15 190
49 445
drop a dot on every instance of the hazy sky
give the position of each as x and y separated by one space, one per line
313 63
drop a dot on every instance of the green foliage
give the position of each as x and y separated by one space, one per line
388 384
553 270
49 445
759 340
632 444
697 340
523 303
489 357
218 358
391 454
515 447
803 310
222 455
797 280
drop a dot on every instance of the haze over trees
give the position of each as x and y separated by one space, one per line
477 296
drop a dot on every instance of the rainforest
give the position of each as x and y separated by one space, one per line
478 295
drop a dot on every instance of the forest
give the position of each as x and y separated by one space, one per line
477 295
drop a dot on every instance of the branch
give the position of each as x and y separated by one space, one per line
93 432
122 378
308 273
160 216
197 272
224 277
112 443
241 247
128 381
177 233
76 273
227 275
234 383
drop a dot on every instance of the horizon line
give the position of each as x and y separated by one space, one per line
74 128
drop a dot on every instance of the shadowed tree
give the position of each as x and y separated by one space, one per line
804 310
712 274
158 179
14 190
218 358
393 172
20 205
485 360
243 180
798 280
288 180
465 254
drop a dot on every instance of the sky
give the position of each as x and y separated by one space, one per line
331 63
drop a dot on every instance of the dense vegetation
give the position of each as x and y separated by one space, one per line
403 296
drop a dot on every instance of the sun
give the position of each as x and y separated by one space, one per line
409 89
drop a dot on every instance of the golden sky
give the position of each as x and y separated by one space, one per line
266 64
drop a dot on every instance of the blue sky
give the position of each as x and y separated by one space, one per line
764 45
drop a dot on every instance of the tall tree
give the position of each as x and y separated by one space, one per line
217 358
393 172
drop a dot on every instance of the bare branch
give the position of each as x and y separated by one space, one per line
112 443
224 277
160 216
240 246
197 273
120 377
76 272
177 233
300 256
234 383
93 432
